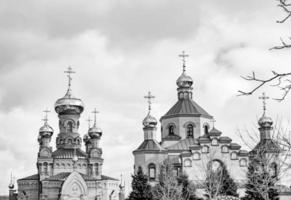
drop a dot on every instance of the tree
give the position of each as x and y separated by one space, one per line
141 190
171 187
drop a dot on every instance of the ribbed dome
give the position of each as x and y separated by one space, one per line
46 130
69 103
184 80
95 132
265 121
149 121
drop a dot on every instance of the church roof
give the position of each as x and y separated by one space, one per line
183 144
186 107
32 177
63 175
69 153
266 146
151 145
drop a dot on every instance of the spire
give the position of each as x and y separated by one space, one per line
264 98
184 56
95 112
69 72
46 130
11 184
45 119
149 98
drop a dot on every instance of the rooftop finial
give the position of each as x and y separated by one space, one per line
46 111
149 97
184 56
11 184
69 72
264 98
213 122
89 120
95 112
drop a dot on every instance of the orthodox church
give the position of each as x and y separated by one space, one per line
190 141
68 172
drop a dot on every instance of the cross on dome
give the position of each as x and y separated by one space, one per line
213 122
264 98
46 111
95 112
183 56
69 72
149 97
89 120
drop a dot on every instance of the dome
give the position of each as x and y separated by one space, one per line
149 121
46 130
69 104
11 186
265 121
95 132
86 138
184 80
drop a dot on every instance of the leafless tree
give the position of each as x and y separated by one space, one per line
168 187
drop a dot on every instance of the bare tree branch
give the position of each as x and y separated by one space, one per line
283 83
287 8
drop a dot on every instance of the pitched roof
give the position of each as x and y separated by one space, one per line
69 153
63 175
183 144
32 177
186 107
151 145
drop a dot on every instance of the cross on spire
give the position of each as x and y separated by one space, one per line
213 122
149 97
46 111
184 56
95 112
264 98
69 72
89 120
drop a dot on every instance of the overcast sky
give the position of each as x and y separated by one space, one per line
120 50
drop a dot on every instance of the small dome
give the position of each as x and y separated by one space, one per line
69 104
11 186
95 132
46 130
184 80
149 121
86 138
265 121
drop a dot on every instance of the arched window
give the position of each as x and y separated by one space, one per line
70 126
243 162
214 142
196 156
205 149
152 171
45 168
96 166
171 130
188 163
273 169
224 149
233 156
190 130
206 129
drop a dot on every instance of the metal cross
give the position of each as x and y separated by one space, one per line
264 98
183 56
95 112
149 97
46 111
69 72
89 120
213 122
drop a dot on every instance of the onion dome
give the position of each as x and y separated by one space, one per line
95 132
265 121
86 138
11 186
149 121
46 130
69 104
184 81
214 132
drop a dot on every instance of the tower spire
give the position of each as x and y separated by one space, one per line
184 56
149 98
69 72
95 112
264 98
45 119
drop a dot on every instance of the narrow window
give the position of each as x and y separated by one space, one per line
205 129
45 168
171 130
190 129
152 171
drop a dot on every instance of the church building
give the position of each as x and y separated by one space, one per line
68 172
190 140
